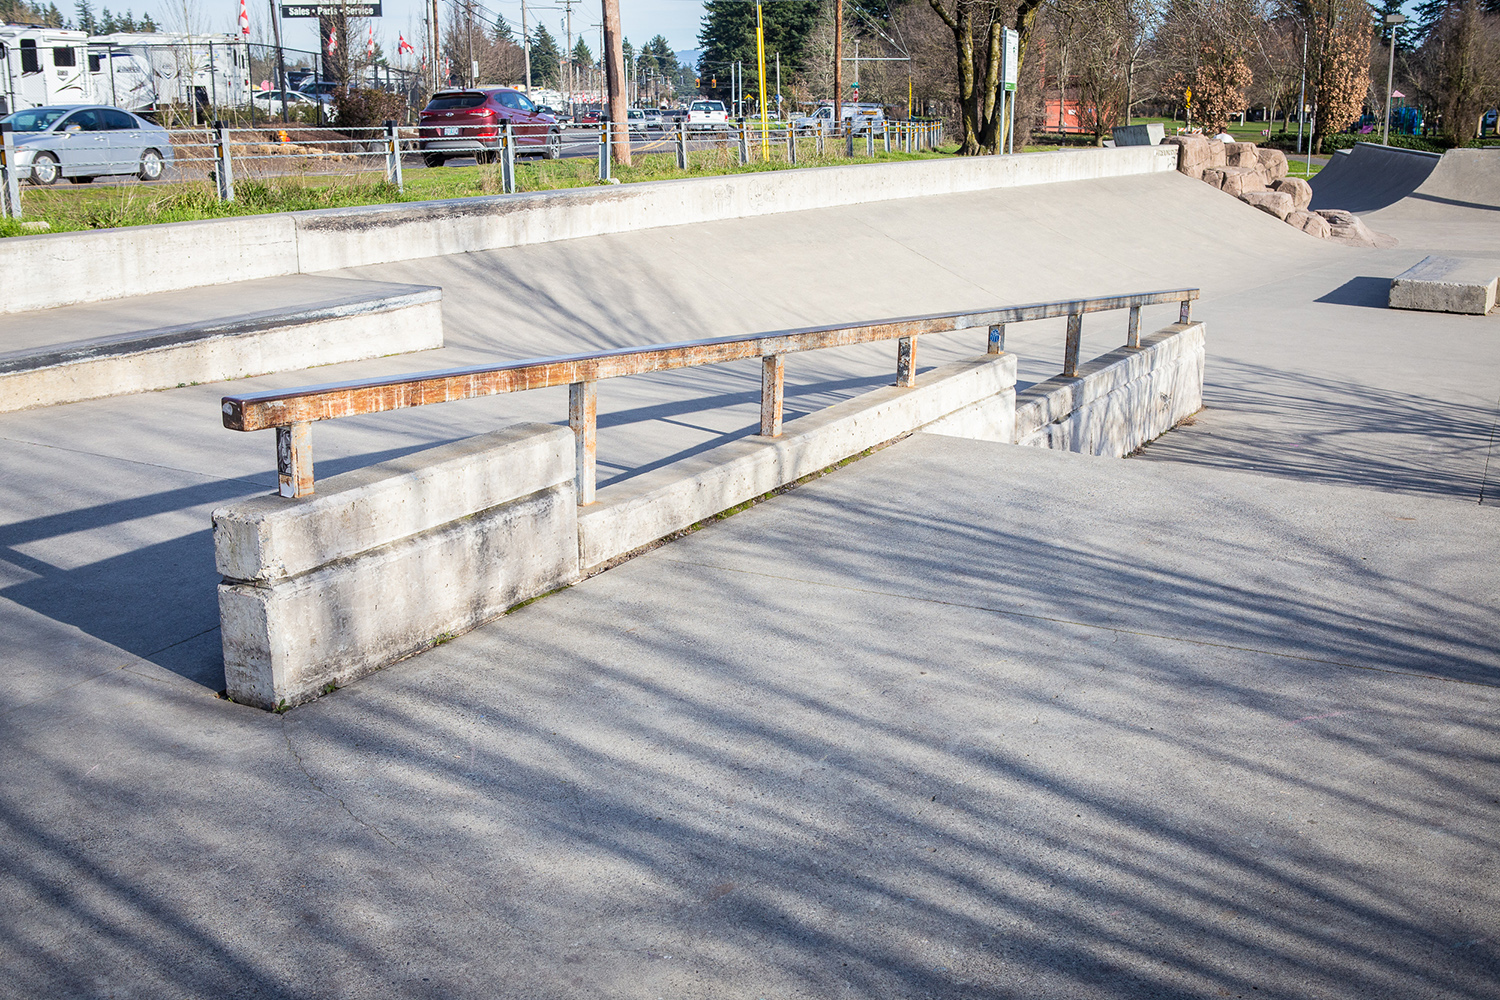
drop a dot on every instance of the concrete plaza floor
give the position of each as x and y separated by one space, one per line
956 720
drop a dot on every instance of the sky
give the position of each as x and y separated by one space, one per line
678 20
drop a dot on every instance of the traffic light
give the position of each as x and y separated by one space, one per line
714 85
697 81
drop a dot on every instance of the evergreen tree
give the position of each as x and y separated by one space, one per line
502 30
545 71
581 54
147 25
728 34
127 23
85 12
54 17
107 25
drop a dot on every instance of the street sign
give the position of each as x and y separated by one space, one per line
1010 61
330 9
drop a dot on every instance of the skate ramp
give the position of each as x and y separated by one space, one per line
1455 210
1371 177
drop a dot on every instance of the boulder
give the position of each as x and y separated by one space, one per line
1240 154
1273 162
1348 228
1299 189
1271 202
1192 153
1213 177
1215 154
1310 223
1242 180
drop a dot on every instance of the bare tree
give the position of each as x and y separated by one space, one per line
976 26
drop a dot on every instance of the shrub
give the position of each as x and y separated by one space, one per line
358 107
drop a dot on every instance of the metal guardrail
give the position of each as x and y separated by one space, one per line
222 153
292 411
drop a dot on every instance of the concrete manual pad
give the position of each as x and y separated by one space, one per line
957 720
1447 284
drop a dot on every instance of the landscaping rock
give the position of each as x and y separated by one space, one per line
1271 202
1299 189
1192 153
1349 229
1214 177
1241 154
1310 223
1242 180
1216 155
1273 162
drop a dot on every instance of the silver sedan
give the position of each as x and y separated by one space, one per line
84 141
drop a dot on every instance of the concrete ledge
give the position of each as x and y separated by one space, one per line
390 319
651 506
40 272
1120 400
340 592
1447 284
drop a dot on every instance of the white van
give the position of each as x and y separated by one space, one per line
42 66
860 117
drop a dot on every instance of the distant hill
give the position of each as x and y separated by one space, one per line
689 57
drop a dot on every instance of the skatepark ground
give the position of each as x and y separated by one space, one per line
958 719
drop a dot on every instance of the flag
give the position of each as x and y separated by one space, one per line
244 20
371 47
402 45
1397 93
333 39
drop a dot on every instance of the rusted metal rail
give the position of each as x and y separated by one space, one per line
292 411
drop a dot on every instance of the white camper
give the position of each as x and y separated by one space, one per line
41 66
206 70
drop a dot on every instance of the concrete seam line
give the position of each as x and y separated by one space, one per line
1103 628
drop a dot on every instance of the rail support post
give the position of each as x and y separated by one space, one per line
1185 313
744 143
772 380
223 169
294 462
682 157
508 161
906 362
1133 328
393 155
10 188
583 421
1075 343
997 339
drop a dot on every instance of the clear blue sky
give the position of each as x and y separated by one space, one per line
678 20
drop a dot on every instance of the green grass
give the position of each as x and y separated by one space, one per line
71 208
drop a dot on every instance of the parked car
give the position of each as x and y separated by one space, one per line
84 141
707 114
586 115
458 123
281 102
653 118
672 117
635 119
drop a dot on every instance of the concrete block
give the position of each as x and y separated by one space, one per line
58 269
1138 135
392 319
1120 400
293 630
990 419
648 507
1447 284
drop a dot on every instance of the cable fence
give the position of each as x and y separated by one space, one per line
513 158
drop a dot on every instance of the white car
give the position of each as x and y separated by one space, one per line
282 102
707 114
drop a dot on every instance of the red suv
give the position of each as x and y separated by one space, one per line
459 123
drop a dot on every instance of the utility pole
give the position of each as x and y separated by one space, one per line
1395 21
568 6
838 63
614 74
526 47
437 50
280 53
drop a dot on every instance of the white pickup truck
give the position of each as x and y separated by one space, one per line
707 114
858 117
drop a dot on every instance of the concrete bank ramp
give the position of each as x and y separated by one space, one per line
1370 177
169 339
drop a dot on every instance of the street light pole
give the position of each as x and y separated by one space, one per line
1395 21
1302 97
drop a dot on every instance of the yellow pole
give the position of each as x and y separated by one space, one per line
760 53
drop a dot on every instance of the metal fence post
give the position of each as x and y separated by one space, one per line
870 140
885 130
682 157
791 145
744 143
820 138
1075 343
604 150
393 155
508 161
10 188
849 143
223 170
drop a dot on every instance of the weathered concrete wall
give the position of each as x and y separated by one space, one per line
1120 400
394 324
651 506
382 562
1447 284
57 269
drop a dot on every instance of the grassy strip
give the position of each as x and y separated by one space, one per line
108 207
